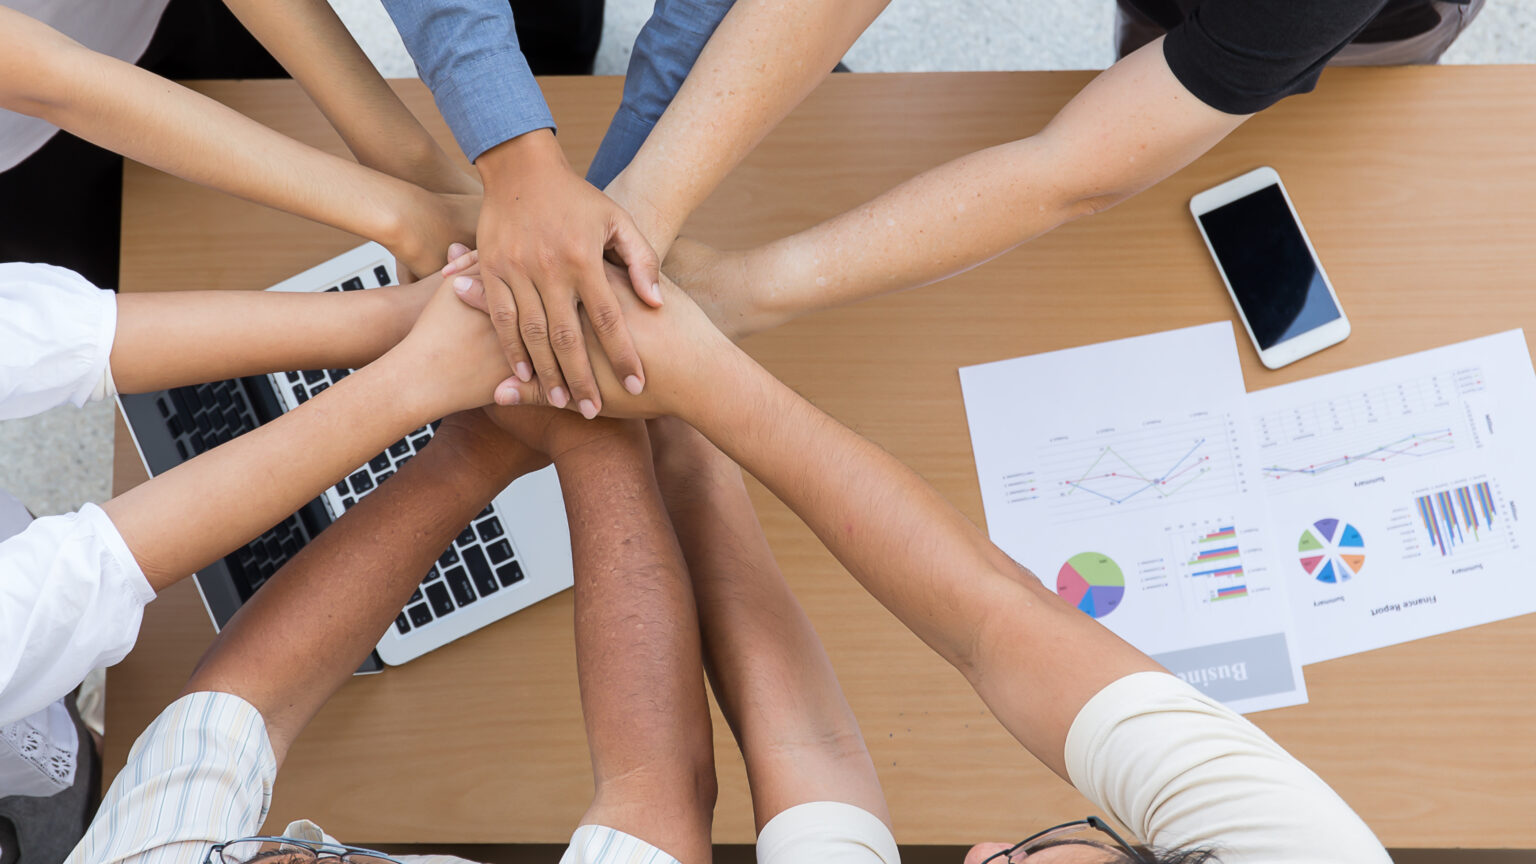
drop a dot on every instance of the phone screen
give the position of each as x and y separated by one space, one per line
1267 262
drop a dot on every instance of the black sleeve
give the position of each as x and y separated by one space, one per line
1242 56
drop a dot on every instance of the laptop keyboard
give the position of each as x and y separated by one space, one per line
478 563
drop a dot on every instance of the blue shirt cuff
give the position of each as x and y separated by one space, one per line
492 99
625 135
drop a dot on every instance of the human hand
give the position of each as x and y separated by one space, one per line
549 431
473 437
451 359
543 234
432 224
689 353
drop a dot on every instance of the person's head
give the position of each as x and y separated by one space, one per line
1087 841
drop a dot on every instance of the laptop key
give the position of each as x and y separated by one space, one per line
175 426
437 595
420 615
164 406
346 504
480 569
293 377
182 449
510 573
466 537
448 558
381 274
403 625
400 448
353 284
361 482
338 374
300 394
225 398
489 529
313 376
379 463
415 596
458 582
319 388
433 573
341 488
499 551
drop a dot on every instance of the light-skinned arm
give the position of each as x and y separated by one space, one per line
245 486
174 338
770 673
144 117
299 638
1011 637
1132 126
315 47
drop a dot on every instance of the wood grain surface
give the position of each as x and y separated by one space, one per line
1417 188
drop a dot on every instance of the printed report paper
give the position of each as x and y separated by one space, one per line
1122 475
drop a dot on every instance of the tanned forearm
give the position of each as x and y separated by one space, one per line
316 49
919 556
770 674
300 637
764 58
637 651
1132 126
151 120
170 339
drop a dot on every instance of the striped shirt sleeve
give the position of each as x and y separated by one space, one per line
201 774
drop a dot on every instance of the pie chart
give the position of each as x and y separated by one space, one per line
1331 551
1091 582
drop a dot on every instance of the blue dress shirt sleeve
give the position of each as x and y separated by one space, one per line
467 53
664 54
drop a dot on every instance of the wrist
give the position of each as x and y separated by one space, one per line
650 215
535 151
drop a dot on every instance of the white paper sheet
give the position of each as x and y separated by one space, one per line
1395 490
1121 475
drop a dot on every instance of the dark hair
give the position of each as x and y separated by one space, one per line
1193 855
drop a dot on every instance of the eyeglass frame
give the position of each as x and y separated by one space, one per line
1094 822
322 850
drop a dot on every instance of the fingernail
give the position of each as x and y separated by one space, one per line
463 283
507 395
588 410
633 385
524 372
558 398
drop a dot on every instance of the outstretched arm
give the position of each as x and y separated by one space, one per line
316 49
246 485
301 636
637 635
173 338
764 58
123 108
770 674
1132 126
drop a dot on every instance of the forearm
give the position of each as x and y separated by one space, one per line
1129 128
316 49
170 339
203 508
301 636
769 672
146 118
760 63
919 556
637 650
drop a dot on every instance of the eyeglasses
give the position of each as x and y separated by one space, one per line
248 849
1052 836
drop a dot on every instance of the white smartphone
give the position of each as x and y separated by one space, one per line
1287 304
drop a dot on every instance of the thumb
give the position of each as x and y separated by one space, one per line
638 256
471 291
515 391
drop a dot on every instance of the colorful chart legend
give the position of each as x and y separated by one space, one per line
1091 582
1457 516
1332 551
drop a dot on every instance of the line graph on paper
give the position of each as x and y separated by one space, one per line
1381 429
1116 470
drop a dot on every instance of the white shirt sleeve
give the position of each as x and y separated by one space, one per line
1179 769
71 599
56 332
201 774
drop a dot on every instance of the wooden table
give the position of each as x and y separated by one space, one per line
1417 186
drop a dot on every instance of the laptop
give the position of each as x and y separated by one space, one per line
513 554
